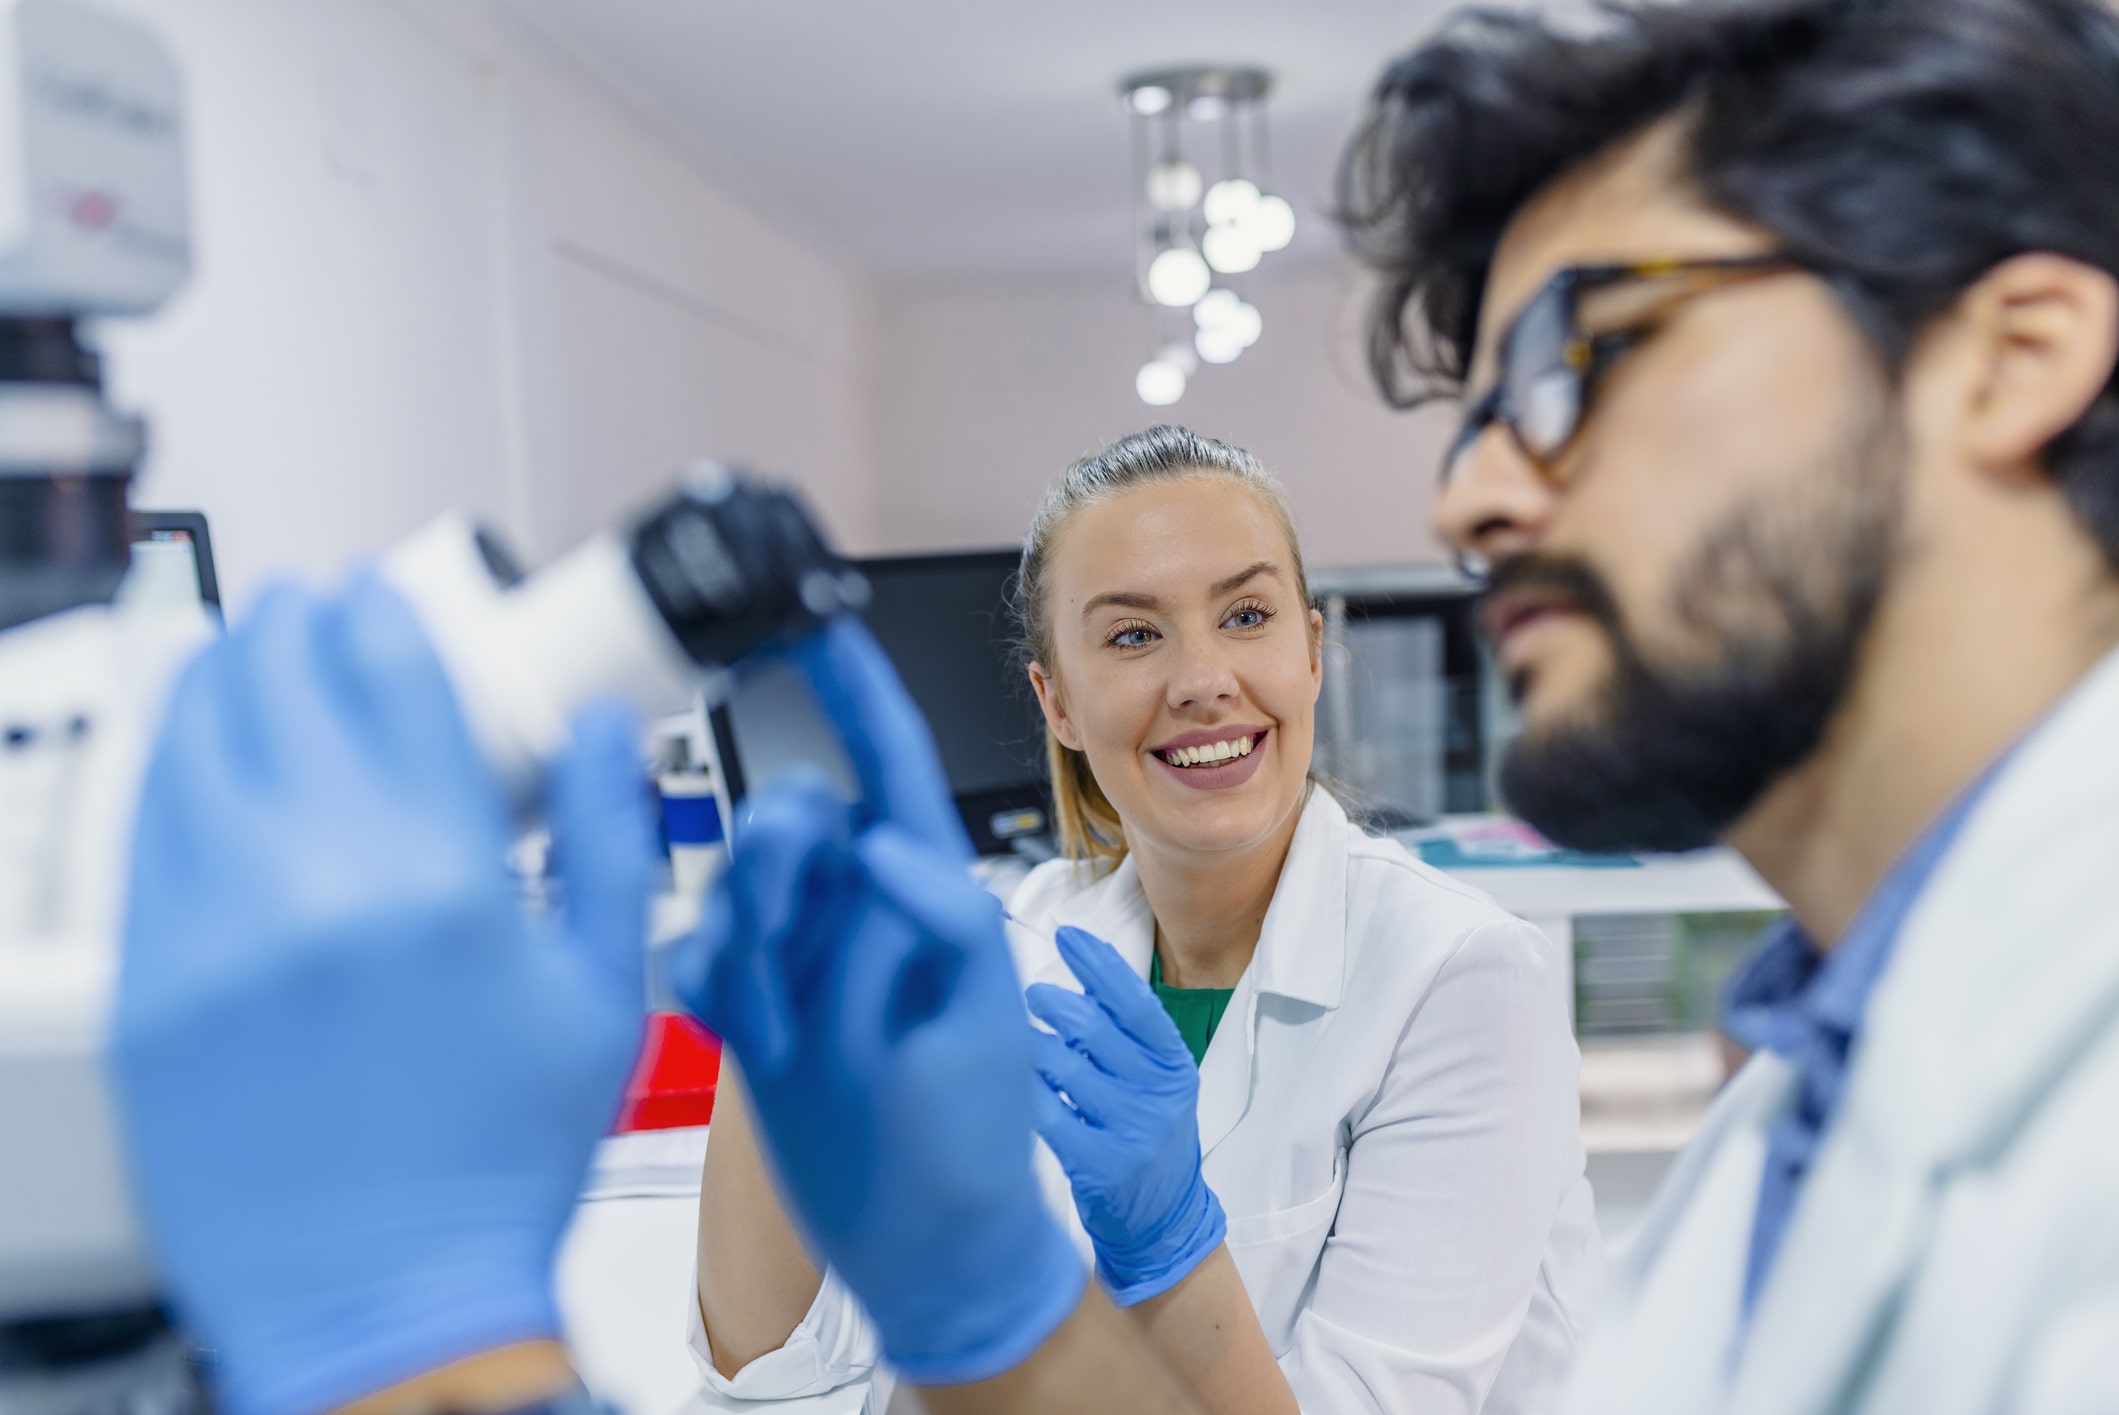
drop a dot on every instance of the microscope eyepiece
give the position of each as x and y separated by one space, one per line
733 564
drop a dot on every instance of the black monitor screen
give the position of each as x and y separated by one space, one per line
945 622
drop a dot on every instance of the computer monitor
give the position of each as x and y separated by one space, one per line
172 561
945 621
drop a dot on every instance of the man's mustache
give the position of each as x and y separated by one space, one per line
1563 577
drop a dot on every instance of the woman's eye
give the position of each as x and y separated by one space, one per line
1134 638
1251 616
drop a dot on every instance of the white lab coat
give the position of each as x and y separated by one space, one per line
1956 1247
1390 1115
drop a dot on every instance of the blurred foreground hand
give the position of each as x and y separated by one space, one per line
360 1090
863 981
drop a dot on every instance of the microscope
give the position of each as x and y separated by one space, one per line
94 225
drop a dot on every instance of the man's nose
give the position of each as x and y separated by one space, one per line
1493 502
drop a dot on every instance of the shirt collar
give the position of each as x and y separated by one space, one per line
1787 986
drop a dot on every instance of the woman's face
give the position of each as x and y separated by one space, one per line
1186 663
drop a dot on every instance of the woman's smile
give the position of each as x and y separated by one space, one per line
1214 759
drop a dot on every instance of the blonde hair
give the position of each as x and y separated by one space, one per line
1088 824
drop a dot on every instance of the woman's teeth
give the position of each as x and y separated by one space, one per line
1212 754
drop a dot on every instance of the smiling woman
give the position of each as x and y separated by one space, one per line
1379 1099
1144 553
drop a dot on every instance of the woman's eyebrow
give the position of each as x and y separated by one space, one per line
1124 599
1241 578
1134 599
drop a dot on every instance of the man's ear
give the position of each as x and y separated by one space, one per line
2045 335
1055 707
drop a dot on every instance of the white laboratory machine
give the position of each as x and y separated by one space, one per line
93 225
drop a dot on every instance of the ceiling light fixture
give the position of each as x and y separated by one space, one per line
1189 233
1148 100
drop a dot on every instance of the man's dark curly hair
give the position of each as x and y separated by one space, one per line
1904 146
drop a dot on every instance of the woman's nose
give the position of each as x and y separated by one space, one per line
1204 674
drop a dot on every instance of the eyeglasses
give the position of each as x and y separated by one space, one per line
1550 367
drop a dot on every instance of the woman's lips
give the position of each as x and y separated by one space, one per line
1223 775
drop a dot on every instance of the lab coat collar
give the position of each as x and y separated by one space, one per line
1301 956
1301 950
1301 947
2004 971
1115 910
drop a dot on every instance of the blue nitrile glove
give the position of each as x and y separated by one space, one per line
360 1090
862 980
1130 1139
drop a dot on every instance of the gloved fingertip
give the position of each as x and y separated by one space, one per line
1072 1015
1038 1000
380 644
279 600
1088 957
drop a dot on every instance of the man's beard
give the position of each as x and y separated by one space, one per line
1783 591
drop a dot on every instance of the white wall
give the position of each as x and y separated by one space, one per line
990 391
440 266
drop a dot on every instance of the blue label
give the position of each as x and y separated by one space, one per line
691 820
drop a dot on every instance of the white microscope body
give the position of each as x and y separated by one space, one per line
93 224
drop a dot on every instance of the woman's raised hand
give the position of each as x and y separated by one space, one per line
1119 1107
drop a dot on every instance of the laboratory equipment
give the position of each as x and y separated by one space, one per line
94 224
172 561
948 624
723 567
1408 714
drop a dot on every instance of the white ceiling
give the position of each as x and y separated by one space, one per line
955 139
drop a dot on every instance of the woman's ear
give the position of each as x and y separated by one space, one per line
1055 707
1316 653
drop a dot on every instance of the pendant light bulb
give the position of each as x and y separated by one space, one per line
1178 277
1159 383
1231 201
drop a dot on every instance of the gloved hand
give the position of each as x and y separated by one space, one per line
359 1089
863 981
1129 1140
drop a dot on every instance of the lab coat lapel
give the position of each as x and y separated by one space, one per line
1225 1071
1301 955
2005 968
1113 909
1675 1296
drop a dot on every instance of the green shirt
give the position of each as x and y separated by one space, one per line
1196 1011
